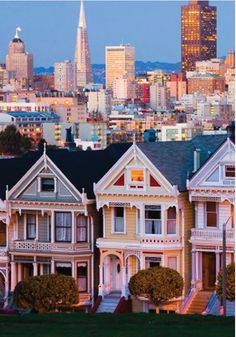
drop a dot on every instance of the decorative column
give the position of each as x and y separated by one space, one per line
101 284
41 269
73 224
53 227
19 272
35 267
142 222
73 263
13 275
52 266
7 281
193 270
123 287
217 263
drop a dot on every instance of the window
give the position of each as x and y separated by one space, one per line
63 268
31 226
172 262
136 179
171 220
152 262
211 214
152 219
47 184
63 224
230 171
2 234
82 276
119 219
81 228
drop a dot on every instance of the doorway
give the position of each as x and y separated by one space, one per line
208 271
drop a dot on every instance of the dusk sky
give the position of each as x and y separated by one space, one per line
153 28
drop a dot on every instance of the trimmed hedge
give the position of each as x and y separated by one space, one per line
46 292
158 284
230 283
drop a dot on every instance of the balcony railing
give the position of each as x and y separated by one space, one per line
49 247
211 234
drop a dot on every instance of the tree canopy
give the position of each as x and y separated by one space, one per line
158 284
230 283
12 142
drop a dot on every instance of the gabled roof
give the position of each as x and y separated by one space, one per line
174 160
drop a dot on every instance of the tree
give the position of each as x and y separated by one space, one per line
46 293
12 142
230 283
158 284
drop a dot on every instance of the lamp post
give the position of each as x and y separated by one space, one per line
224 267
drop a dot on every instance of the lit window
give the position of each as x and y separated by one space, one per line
230 171
137 175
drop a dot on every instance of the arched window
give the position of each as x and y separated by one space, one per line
171 220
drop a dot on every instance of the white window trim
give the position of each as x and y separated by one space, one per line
162 221
113 221
162 263
177 222
224 172
129 182
40 184
138 220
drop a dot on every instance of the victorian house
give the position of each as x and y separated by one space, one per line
147 214
212 192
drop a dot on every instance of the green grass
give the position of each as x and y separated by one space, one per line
115 325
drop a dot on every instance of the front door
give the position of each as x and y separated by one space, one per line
208 270
115 273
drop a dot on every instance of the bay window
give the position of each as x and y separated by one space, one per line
171 220
81 228
153 219
63 226
31 226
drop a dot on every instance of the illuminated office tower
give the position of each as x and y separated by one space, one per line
198 33
82 55
19 64
120 64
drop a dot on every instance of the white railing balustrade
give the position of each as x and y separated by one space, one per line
48 246
211 234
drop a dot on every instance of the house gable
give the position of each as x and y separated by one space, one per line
134 173
44 182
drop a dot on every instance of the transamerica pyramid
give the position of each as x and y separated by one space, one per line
82 54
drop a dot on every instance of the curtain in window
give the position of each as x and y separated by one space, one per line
82 276
119 224
157 227
31 226
148 226
81 228
63 227
171 220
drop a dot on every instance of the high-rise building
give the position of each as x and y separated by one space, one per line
120 64
230 59
198 33
64 76
82 55
19 64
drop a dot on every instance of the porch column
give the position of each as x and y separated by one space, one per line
7 281
142 221
73 224
35 268
217 263
193 269
73 265
41 269
19 272
53 227
101 285
13 275
123 287
52 267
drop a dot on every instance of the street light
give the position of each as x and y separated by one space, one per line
224 267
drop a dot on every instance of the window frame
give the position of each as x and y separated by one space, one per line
161 219
87 276
134 185
225 168
66 227
113 220
217 215
82 227
167 219
41 185
30 224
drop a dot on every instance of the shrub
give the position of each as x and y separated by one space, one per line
230 285
158 284
46 292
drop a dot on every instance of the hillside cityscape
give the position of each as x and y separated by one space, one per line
117 184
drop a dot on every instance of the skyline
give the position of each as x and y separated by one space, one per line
99 19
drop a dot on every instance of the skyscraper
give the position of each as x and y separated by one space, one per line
19 64
120 65
82 54
64 76
198 33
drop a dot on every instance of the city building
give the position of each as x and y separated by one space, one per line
213 66
64 76
99 101
83 66
198 33
19 64
120 64
177 86
93 131
179 131
159 97
123 88
22 105
205 83
230 59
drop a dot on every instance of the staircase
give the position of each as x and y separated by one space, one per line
199 302
109 302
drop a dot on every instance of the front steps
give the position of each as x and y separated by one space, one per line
109 302
199 302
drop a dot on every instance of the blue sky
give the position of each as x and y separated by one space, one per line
152 27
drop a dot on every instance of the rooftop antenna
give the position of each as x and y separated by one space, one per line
18 29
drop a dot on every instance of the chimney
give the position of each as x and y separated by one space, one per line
196 160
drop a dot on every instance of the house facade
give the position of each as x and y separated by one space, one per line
212 192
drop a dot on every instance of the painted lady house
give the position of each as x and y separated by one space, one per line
212 192
147 215
48 219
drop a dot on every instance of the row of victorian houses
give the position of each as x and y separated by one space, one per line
101 216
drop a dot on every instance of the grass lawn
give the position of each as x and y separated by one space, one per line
115 325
